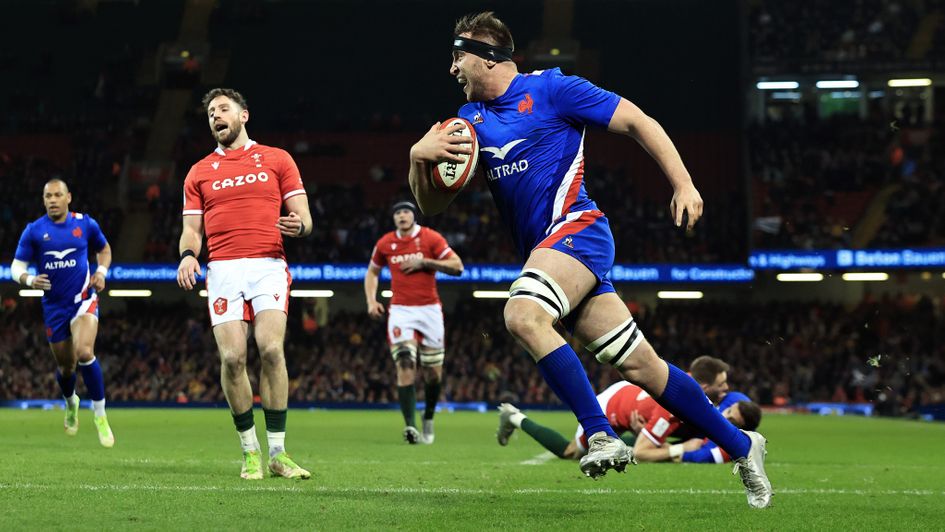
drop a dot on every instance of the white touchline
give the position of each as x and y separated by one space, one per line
464 491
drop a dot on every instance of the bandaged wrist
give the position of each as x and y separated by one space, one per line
29 280
676 451
102 270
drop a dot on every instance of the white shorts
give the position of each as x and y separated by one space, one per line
238 289
602 399
423 323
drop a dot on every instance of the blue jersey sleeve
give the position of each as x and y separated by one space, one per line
580 101
24 249
97 239
703 455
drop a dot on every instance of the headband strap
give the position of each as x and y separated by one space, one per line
482 49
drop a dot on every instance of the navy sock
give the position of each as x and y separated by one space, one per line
685 399
92 376
66 384
565 375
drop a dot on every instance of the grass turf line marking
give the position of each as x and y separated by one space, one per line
540 459
463 491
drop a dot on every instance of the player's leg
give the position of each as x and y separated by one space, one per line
402 334
432 355
231 339
269 330
405 363
84 331
431 359
66 375
606 327
551 283
511 418
268 292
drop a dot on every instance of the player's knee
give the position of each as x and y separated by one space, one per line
432 361
234 362
405 356
534 294
620 346
524 320
84 354
642 364
272 353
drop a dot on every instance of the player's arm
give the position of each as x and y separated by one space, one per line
374 307
703 453
646 450
191 240
21 260
104 260
20 274
435 147
629 120
298 223
451 265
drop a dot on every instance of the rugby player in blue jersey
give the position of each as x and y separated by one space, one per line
58 244
530 129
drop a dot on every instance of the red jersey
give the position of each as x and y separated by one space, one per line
391 250
240 193
659 422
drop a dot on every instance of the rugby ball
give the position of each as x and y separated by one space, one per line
455 176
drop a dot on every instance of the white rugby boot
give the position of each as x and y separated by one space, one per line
605 452
751 469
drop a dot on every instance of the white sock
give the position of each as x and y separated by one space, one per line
99 407
276 442
248 439
72 400
516 419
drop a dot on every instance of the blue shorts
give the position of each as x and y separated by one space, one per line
586 236
59 317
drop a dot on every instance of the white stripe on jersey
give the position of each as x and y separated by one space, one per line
562 193
571 216
78 297
717 455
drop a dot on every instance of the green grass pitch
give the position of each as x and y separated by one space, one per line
179 469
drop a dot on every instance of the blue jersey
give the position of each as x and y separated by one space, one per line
531 140
710 453
61 251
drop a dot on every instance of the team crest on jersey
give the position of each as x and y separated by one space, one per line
477 119
393 246
219 306
568 241
257 157
215 164
525 106
77 232
276 296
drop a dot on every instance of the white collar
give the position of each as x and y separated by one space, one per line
246 146
415 232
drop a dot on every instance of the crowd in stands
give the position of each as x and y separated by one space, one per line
876 30
814 178
889 351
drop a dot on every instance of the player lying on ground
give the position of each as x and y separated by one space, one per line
530 130
414 255
632 412
58 243
639 420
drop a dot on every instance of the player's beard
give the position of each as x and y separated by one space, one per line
234 129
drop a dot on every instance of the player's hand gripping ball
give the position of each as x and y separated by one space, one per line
452 176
